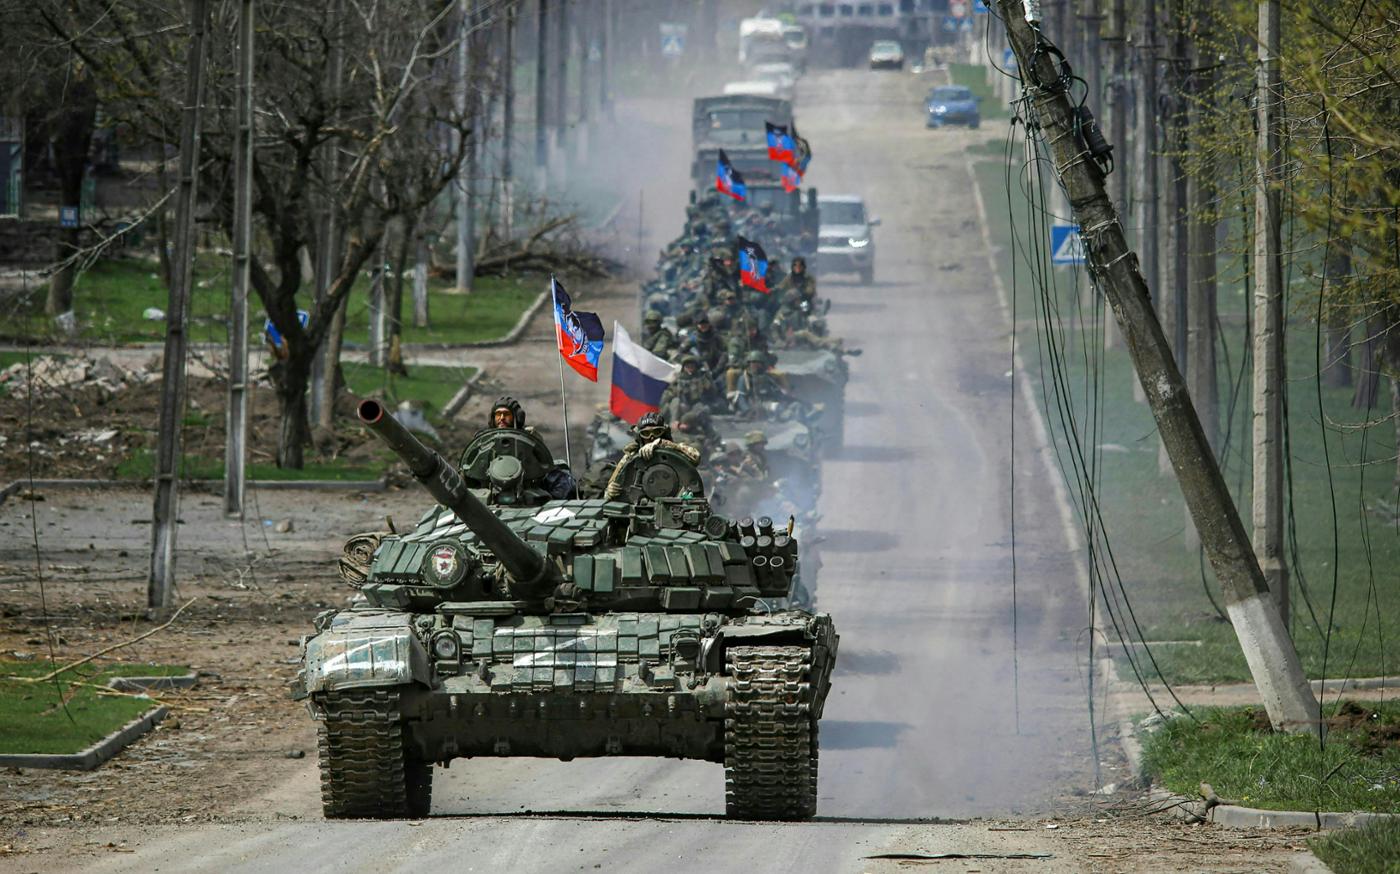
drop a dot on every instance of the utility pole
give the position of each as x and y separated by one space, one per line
584 28
542 93
160 585
1268 650
1201 190
508 123
1148 164
1091 34
1268 315
1172 293
326 363
466 170
236 415
605 40
1117 93
563 37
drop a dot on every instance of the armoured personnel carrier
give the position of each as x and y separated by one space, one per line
819 376
647 626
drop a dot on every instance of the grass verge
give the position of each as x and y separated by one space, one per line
974 77
1246 763
141 465
32 720
1371 849
431 386
1173 594
111 299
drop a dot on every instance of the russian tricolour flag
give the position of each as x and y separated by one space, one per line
638 378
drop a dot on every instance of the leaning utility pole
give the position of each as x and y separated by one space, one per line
1268 315
165 509
236 417
542 92
466 169
1268 650
1148 241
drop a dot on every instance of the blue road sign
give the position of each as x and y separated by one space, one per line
672 39
1065 245
68 216
1008 59
979 7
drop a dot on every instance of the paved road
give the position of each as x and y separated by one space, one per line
916 571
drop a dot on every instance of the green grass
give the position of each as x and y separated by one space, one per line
1143 510
1371 849
488 313
31 720
1271 770
432 386
975 77
109 300
140 465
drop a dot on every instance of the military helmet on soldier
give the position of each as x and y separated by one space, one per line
506 412
652 426
651 318
755 439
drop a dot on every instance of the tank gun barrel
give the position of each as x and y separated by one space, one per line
532 575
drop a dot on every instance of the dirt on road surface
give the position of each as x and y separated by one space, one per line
944 734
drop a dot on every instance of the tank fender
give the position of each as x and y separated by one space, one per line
359 651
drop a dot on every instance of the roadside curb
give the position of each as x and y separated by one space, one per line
306 485
514 333
463 394
1237 816
94 755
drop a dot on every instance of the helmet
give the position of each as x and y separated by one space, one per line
652 426
756 356
799 261
651 318
506 402
690 358
755 438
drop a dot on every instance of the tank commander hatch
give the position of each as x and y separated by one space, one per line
651 433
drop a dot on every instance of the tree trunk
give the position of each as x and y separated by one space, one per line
291 376
421 257
1336 367
332 377
1368 374
71 143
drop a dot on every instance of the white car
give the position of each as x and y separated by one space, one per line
754 87
845 241
780 74
886 54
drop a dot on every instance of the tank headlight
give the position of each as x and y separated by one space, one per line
446 646
859 242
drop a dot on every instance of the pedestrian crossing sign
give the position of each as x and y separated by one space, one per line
1065 245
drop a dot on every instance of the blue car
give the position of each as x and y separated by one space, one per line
952 104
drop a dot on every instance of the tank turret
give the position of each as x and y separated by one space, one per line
532 576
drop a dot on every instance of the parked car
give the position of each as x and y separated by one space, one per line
886 54
952 104
845 242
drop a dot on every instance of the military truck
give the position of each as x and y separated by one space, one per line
648 626
735 123
818 377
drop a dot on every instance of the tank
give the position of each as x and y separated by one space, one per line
650 626
818 376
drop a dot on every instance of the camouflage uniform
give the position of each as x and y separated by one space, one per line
693 387
651 433
656 339
709 346
745 338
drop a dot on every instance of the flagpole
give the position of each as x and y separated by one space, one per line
563 394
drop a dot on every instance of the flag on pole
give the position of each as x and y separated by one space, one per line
638 378
780 144
753 265
801 151
791 178
728 180
579 335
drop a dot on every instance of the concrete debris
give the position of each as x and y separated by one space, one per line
284 527
153 314
48 374
67 323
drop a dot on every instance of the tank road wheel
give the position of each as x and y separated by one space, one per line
366 773
770 735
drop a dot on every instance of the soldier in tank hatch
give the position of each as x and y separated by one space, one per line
650 434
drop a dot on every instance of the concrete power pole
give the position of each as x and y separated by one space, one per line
160 585
585 27
508 123
563 40
1201 188
605 40
466 230
542 93
236 416
1268 315
1273 662
1149 242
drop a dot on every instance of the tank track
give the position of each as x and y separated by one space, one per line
770 735
366 771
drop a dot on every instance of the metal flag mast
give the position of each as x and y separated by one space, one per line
563 394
